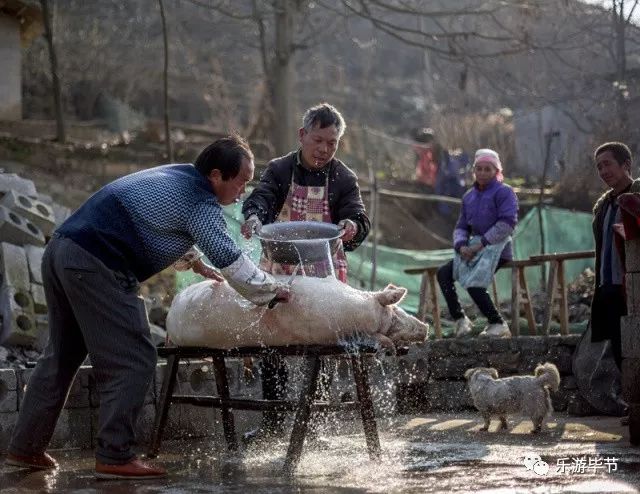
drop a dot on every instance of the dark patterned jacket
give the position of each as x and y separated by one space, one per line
345 201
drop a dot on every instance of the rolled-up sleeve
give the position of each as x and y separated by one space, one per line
208 228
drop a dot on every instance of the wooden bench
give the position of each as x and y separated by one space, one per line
557 286
429 301
303 407
520 295
428 295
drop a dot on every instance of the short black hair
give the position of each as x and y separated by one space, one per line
225 154
620 151
323 115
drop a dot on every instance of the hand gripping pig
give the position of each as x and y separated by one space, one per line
320 311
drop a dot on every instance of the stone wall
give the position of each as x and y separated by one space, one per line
431 376
428 378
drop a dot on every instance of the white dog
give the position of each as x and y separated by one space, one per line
528 395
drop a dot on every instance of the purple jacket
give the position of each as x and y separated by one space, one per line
491 213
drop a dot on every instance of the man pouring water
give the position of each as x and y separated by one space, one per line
308 184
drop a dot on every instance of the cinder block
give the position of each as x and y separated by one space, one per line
14 266
448 395
8 393
61 213
39 300
39 213
34 261
73 430
79 392
505 362
18 230
452 368
18 322
11 181
630 380
632 255
42 330
630 335
144 427
7 423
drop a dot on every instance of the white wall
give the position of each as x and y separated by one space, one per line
10 69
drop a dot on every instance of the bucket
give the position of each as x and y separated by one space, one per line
289 242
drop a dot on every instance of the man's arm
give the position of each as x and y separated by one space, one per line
266 200
349 206
207 226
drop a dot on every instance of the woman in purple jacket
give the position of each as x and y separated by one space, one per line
489 211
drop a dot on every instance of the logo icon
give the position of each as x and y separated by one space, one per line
533 462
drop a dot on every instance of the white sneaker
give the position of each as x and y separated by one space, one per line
463 327
498 330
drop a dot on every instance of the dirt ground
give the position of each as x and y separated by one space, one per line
421 454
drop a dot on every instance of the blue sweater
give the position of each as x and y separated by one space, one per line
144 222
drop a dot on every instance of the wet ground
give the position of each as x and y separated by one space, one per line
429 453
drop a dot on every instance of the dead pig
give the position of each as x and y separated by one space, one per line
321 311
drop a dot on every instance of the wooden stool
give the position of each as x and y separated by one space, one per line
557 287
303 406
520 295
428 295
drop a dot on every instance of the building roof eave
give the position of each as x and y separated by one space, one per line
28 14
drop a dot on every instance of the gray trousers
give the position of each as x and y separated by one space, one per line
93 310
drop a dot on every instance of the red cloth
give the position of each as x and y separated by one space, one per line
427 166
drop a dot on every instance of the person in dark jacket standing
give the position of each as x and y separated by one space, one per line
129 230
613 162
489 213
308 184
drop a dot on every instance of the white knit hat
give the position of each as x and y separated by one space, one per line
490 156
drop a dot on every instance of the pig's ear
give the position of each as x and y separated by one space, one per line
391 295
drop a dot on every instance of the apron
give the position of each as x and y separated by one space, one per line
309 204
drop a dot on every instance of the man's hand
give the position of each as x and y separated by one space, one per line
207 271
349 229
251 226
283 293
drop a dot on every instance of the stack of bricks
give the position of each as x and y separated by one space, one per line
630 329
27 219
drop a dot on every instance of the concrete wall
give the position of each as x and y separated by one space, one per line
10 69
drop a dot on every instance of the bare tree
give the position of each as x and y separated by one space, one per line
55 81
165 79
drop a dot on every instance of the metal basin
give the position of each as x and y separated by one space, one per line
289 242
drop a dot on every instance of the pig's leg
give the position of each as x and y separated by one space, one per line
384 341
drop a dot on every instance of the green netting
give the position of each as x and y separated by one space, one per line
564 231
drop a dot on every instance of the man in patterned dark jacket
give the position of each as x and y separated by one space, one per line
129 230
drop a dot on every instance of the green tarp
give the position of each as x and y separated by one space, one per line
564 231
